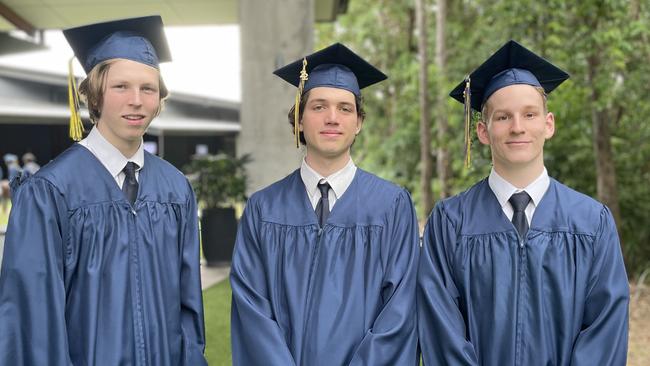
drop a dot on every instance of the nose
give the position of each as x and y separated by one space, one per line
136 98
332 116
517 125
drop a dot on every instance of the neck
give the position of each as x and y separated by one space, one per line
127 148
327 167
520 177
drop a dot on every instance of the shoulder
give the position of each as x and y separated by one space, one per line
168 182
569 197
280 201
373 186
379 198
576 211
454 206
64 168
278 188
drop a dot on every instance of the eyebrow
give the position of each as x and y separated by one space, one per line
324 100
530 106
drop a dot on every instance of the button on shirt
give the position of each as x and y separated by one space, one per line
339 182
503 190
110 157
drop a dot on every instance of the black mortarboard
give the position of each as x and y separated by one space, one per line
138 39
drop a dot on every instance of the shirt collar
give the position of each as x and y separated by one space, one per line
503 189
109 155
339 181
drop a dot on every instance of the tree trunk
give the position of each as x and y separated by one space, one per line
601 140
425 120
443 166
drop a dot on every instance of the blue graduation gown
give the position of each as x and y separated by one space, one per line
559 297
89 280
340 295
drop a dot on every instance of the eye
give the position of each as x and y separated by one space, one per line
501 117
149 89
347 109
530 115
318 107
119 86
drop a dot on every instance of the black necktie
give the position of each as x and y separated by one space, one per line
130 185
519 201
323 206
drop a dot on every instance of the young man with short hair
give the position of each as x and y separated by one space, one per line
325 261
520 269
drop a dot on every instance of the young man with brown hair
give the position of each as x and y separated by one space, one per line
325 261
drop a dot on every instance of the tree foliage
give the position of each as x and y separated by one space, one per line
609 38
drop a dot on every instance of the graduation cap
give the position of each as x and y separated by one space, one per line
140 39
335 66
510 65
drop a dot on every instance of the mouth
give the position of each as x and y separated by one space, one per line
134 119
517 143
330 133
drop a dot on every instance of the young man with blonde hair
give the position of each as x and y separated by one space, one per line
520 269
101 263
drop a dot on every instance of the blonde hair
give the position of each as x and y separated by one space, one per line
485 110
91 89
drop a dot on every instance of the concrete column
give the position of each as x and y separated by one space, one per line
273 33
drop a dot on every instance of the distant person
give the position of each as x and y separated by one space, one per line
520 269
325 260
13 167
101 262
29 163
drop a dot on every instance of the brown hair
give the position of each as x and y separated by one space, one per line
484 108
361 113
91 89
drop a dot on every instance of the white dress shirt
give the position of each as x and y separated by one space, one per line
503 190
110 156
338 181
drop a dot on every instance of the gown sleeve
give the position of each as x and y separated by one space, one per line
392 340
192 322
256 335
603 337
441 327
32 289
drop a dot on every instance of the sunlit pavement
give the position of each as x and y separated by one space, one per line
212 275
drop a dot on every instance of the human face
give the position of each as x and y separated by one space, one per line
131 100
516 128
330 123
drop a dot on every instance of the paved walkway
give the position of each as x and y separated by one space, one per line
210 276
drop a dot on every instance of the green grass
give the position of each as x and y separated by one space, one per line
216 302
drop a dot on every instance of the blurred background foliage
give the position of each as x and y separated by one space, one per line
602 113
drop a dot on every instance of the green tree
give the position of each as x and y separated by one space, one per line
600 147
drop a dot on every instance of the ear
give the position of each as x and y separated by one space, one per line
359 125
550 125
482 133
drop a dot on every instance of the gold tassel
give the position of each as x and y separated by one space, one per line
467 94
296 114
76 125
